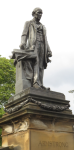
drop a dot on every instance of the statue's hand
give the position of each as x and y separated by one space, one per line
48 60
22 46
49 54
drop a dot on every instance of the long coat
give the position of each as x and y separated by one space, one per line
29 37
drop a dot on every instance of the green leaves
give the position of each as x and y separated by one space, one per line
7 83
1 113
7 79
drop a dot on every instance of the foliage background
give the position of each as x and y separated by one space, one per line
7 79
7 84
1 113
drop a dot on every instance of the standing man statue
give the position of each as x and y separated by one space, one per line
34 39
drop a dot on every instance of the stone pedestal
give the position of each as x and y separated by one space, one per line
38 119
21 77
24 60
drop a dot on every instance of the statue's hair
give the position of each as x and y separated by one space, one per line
36 9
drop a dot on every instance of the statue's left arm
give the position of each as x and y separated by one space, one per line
24 35
49 53
48 50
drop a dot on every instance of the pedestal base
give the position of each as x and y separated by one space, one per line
36 134
29 126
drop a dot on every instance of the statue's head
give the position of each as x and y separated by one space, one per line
37 13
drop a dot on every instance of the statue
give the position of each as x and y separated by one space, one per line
31 60
34 38
33 56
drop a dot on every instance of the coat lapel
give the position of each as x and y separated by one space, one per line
35 29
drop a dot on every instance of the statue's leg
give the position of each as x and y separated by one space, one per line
41 59
29 71
36 65
36 73
41 73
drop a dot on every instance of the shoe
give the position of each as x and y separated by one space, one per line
36 85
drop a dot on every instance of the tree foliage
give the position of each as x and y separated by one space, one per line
7 83
7 79
1 114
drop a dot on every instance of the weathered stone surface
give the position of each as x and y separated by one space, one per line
20 140
35 118
10 148
49 107
51 140
42 94
46 103
32 127
49 101
34 133
6 148
18 53
33 56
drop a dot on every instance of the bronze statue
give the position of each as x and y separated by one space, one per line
34 39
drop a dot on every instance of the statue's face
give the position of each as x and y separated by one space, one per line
38 15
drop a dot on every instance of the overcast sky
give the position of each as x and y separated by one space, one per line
58 18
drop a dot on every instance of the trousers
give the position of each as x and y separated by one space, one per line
38 68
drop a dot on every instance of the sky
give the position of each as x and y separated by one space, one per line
58 18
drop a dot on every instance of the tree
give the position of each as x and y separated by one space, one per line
1 113
7 83
71 91
7 79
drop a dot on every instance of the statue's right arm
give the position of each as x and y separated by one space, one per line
24 35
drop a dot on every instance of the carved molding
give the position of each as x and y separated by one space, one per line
50 107
21 126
